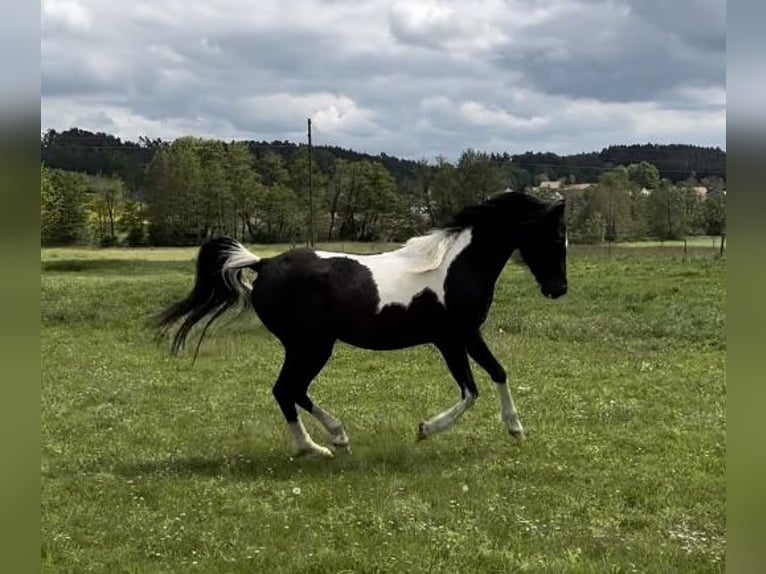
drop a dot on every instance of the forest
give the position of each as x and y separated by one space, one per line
97 189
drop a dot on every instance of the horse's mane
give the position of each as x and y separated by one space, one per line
427 252
519 206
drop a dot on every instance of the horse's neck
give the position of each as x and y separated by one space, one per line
488 259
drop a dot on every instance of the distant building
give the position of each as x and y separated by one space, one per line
713 193
550 184
701 191
578 186
561 186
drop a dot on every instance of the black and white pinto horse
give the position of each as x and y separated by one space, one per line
436 289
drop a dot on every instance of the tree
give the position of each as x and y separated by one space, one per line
444 196
178 208
479 178
133 223
62 209
644 175
107 196
378 204
218 214
692 205
246 188
665 210
593 229
335 189
714 209
310 201
615 186
638 220
514 177
415 214
49 207
363 203
603 212
163 219
714 214
276 208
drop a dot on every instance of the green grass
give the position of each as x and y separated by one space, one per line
152 465
711 242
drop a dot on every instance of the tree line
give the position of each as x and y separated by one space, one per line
181 192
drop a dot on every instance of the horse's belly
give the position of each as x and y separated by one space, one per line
384 339
396 326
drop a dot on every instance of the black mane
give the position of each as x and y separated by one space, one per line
521 206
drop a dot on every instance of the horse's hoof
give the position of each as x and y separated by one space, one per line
518 434
422 432
342 449
316 452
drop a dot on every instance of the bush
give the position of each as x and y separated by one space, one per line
136 237
107 241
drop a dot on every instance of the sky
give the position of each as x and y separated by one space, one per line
415 78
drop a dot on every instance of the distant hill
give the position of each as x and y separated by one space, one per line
81 150
98 153
674 162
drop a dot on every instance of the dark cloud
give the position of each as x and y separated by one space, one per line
611 52
415 78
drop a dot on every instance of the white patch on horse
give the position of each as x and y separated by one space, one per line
238 257
508 412
304 442
446 419
421 263
332 425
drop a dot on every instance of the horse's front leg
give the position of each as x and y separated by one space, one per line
480 353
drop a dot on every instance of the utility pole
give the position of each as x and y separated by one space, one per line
311 194
721 196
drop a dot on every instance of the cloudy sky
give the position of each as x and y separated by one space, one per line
414 78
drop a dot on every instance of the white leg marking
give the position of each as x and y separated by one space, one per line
304 442
333 426
508 411
446 419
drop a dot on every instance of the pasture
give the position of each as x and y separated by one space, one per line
150 464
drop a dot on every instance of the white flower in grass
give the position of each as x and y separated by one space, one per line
296 490
465 488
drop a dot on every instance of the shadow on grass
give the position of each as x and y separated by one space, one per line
401 458
119 266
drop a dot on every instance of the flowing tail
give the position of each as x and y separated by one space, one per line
218 286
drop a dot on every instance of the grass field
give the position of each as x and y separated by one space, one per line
152 465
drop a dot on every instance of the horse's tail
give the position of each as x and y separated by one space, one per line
218 286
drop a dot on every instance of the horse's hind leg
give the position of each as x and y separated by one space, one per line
457 361
303 361
333 426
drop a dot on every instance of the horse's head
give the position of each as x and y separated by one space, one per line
542 244
510 221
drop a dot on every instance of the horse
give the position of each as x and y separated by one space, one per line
436 289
